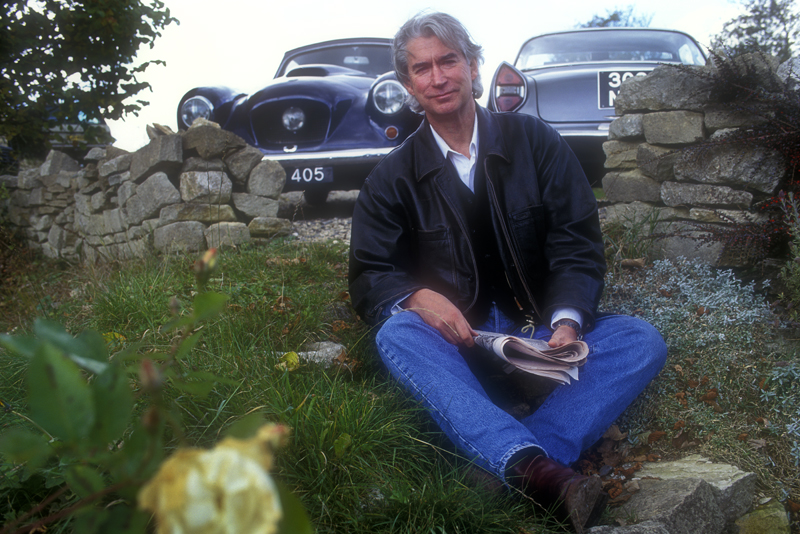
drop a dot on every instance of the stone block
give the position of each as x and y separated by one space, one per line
270 227
56 161
29 179
267 179
202 165
125 191
723 216
227 234
680 194
163 154
620 154
83 204
683 506
768 519
626 127
113 221
746 167
152 195
630 186
205 213
255 206
656 162
212 187
673 127
665 88
641 213
184 236
119 164
210 141
241 163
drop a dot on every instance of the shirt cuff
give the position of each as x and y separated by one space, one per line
566 312
396 308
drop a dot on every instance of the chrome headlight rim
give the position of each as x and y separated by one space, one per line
389 97
195 107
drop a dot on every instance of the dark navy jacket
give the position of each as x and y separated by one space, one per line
408 231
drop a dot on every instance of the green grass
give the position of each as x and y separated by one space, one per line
363 457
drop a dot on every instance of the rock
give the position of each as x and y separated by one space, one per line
323 353
680 194
656 162
270 227
620 154
626 127
751 167
630 186
227 234
684 240
57 162
255 206
641 213
722 216
673 127
163 154
28 179
212 187
789 73
152 195
185 236
733 487
119 164
202 165
767 519
683 506
665 88
95 154
242 162
211 142
720 117
267 179
125 191
205 213
647 527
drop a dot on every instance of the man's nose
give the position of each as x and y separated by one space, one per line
437 76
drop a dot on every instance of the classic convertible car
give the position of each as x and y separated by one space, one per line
570 80
332 112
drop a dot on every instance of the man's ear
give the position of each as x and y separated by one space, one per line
473 69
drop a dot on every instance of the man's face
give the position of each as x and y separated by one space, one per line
440 78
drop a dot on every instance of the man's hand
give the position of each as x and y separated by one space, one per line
442 315
564 334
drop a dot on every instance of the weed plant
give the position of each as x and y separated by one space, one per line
724 390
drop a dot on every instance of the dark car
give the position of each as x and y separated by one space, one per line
332 112
570 80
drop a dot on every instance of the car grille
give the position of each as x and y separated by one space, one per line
267 123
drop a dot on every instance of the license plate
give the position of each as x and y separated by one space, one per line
310 175
608 83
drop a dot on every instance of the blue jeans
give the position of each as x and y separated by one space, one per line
625 355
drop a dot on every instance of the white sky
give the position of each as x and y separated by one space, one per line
239 43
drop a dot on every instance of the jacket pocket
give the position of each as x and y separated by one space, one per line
528 233
436 260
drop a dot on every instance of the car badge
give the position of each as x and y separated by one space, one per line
292 148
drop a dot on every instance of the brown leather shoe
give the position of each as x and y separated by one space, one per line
577 498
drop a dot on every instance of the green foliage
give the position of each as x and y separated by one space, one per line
790 274
71 62
619 18
768 26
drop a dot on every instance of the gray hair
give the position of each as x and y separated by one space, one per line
449 31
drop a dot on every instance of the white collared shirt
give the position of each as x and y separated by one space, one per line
465 166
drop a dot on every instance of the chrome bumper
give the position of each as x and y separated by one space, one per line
338 157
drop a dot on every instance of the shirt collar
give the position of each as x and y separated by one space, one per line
445 148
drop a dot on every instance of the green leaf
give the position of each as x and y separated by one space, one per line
208 304
20 445
341 444
59 398
22 345
88 350
84 480
294 520
188 344
246 427
113 403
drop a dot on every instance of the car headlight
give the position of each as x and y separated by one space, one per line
195 107
389 97
293 119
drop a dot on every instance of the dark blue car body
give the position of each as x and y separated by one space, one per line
332 112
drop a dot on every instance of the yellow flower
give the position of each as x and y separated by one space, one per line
226 490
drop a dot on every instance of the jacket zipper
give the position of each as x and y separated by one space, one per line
493 197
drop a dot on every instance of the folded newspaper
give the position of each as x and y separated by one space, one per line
535 356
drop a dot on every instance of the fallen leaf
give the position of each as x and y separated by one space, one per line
681 396
290 361
764 421
653 457
702 310
793 506
743 436
615 434
704 381
693 383
710 396
679 370
629 263
757 443
614 492
664 293
655 436
679 425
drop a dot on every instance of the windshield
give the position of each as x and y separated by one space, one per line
372 60
609 47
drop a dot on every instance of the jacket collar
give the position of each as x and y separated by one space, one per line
429 158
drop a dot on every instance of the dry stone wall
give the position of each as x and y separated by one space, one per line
182 192
656 184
